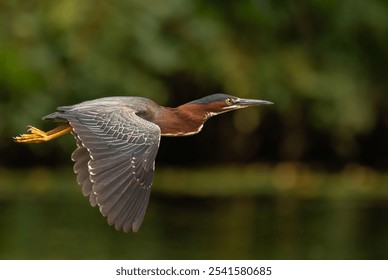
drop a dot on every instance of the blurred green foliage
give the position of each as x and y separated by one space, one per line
323 64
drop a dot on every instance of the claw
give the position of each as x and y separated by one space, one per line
36 135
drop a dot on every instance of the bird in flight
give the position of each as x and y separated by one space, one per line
117 142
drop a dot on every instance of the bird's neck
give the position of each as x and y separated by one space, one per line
187 119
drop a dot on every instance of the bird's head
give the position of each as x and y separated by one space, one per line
220 103
189 118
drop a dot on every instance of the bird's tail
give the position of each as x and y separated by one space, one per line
59 116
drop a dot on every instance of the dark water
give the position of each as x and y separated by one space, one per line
64 226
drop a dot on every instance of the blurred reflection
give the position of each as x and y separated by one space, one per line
56 222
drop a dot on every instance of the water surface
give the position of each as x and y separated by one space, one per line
46 217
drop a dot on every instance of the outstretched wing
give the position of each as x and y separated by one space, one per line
115 161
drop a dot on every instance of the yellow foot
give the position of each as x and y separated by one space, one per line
38 136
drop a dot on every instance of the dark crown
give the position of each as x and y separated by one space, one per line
218 97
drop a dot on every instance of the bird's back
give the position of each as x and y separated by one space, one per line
140 105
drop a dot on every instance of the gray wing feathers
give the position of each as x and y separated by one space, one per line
81 158
114 162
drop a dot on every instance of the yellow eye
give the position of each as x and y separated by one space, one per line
229 101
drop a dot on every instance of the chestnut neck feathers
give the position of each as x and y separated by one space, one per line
187 119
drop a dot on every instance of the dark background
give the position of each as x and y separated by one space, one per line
303 177
323 64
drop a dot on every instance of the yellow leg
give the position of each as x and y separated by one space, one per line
38 136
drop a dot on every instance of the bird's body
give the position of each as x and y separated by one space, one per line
117 142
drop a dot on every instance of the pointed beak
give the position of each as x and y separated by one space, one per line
242 103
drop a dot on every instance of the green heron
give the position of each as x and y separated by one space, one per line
117 142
